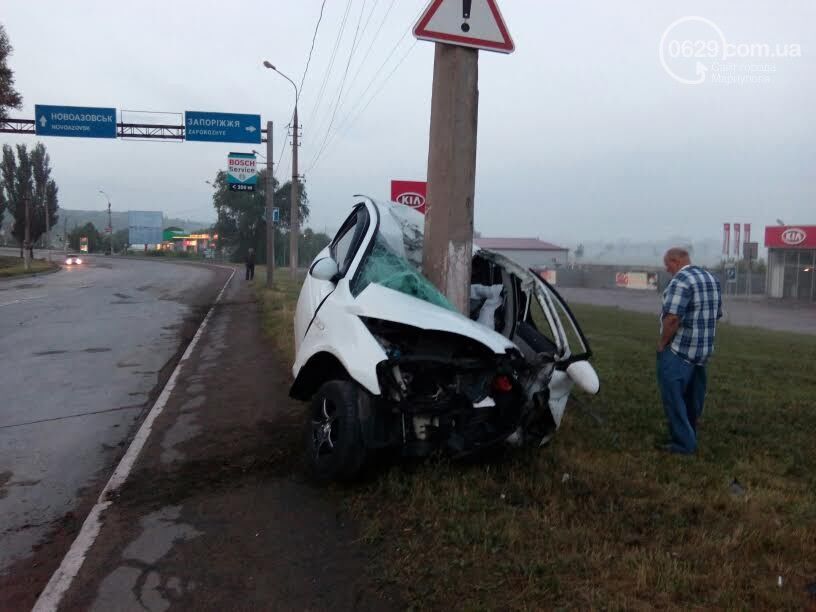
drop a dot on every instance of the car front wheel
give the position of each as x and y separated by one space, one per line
334 442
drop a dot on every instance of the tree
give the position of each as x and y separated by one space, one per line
9 97
89 231
241 224
579 251
310 244
26 178
45 199
18 184
120 240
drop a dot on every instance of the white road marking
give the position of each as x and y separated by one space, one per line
23 299
61 580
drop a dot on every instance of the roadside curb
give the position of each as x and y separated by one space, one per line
56 268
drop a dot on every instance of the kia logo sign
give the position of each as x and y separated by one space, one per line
794 236
414 200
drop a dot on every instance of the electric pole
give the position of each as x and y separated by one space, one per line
446 257
458 35
294 221
27 237
47 228
110 225
110 230
270 206
65 235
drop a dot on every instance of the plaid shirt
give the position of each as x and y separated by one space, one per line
694 296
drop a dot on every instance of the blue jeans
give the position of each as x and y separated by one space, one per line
682 389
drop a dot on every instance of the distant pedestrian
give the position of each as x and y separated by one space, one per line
692 305
250 264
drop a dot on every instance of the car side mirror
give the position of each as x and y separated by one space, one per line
326 269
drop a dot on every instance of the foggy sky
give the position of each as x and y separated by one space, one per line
582 134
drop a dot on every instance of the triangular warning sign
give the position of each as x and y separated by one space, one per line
468 23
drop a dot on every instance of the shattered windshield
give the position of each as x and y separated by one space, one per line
395 259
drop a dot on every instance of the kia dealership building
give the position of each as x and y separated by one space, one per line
791 261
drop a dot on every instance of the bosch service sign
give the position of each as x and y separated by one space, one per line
790 236
410 193
241 174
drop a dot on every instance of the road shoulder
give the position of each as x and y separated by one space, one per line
215 513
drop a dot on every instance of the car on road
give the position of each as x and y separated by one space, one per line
72 259
385 361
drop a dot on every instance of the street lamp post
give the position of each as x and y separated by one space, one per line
294 223
110 226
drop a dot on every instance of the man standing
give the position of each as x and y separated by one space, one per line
250 264
692 305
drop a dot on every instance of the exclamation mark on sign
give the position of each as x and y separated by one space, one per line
466 14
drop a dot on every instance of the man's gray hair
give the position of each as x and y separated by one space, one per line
677 254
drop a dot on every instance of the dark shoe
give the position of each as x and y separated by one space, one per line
671 449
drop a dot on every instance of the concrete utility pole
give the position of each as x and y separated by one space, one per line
446 258
270 205
294 222
27 236
65 235
110 226
47 229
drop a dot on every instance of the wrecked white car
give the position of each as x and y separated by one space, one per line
386 361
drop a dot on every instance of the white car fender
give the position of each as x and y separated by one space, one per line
335 326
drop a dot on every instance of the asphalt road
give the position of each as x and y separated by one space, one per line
82 350
777 315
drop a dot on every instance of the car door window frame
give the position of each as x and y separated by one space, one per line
357 222
559 302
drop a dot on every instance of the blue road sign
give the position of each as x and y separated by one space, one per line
276 215
76 121
222 127
145 227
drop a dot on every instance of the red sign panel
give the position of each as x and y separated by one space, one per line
790 236
736 239
410 193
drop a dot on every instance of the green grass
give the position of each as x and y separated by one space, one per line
13 266
598 519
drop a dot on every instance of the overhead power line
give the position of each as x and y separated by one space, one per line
352 116
322 90
371 45
342 82
350 123
311 50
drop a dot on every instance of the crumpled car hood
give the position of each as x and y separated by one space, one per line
379 302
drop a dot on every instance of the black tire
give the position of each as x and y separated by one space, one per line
334 441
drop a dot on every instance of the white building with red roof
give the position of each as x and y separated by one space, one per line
528 252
